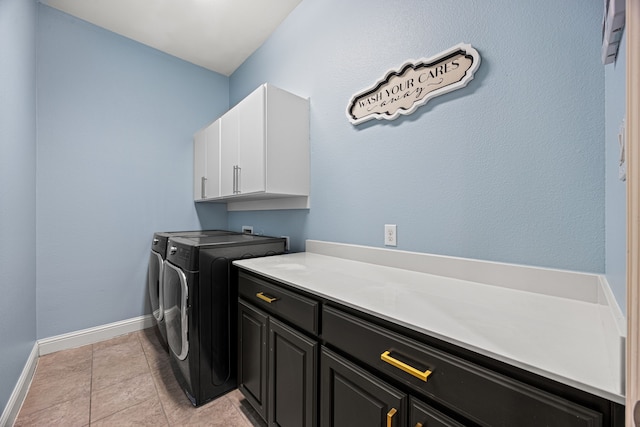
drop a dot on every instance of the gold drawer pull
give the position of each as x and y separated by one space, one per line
418 424
263 297
390 415
407 368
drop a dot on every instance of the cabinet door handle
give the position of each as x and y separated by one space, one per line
203 186
263 297
235 178
418 424
237 170
239 180
390 415
422 375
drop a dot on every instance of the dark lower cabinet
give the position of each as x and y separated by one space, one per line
252 356
352 397
304 361
277 369
292 377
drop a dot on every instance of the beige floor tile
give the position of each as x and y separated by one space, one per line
220 412
180 412
172 397
113 364
57 384
115 398
75 359
66 414
224 411
156 353
130 338
123 381
147 413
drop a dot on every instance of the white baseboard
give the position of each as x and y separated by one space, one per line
94 335
19 393
65 342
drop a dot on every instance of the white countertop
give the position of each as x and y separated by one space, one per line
565 339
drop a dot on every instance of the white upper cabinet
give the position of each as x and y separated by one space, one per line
206 162
263 147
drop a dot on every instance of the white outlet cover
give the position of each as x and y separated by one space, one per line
390 235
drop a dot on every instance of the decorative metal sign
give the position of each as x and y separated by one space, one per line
403 90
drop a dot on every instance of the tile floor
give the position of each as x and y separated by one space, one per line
125 381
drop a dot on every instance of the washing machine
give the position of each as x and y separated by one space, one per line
200 308
156 263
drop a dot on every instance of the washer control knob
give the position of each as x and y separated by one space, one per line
173 250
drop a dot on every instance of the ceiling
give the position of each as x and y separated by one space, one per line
216 34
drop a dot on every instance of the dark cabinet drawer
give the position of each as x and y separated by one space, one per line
297 309
472 391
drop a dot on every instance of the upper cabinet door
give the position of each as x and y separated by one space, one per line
212 184
229 152
206 159
199 164
242 161
251 143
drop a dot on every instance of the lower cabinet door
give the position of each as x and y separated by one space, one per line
252 356
353 397
422 415
293 365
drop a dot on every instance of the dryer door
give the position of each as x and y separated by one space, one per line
175 296
155 279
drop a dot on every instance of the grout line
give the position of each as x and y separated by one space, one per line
155 385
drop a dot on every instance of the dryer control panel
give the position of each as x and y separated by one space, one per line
182 255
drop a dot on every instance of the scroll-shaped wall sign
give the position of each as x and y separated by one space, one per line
403 90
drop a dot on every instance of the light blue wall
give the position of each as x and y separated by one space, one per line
616 202
17 190
510 168
115 126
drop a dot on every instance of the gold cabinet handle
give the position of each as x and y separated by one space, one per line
418 424
390 415
263 297
385 357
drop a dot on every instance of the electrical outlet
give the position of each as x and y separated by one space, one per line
390 235
247 229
